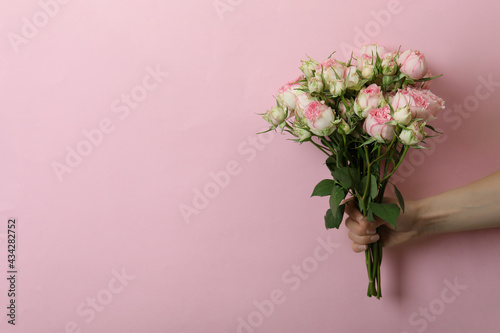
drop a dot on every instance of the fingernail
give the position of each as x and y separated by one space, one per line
374 238
362 247
371 231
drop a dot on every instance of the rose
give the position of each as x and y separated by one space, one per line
365 66
344 127
372 50
345 108
333 73
351 77
369 98
315 84
389 63
367 57
413 64
288 94
332 69
401 107
301 101
320 118
308 67
377 126
413 134
422 102
275 116
336 86
301 133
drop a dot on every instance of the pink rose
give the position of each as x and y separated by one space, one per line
369 98
413 64
367 57
320 118
331 68
422 102
372 50
301 101
376 124
288 94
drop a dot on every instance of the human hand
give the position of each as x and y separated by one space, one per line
363 232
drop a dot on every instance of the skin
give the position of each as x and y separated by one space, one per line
474 206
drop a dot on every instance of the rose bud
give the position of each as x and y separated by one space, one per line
275 116
315 84
301 133
389 63
376 124
412 134
308 67
351 77
413 64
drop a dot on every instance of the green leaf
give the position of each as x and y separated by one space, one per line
341 176
370 216
387 212
323 188
367 142
400 198
432 128
331 163
338 194
334 220
373 187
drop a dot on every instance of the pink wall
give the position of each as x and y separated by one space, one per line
102 245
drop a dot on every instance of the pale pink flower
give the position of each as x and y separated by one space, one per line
320 118
376 124
288 94
413 64
368 99
422 102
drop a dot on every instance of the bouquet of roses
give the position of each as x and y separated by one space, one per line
364 114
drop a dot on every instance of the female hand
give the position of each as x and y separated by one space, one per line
363 232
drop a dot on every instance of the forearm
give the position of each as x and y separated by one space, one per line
474 206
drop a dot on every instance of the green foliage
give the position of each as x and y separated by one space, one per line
323 188
386 211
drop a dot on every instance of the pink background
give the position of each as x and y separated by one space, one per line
220 267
